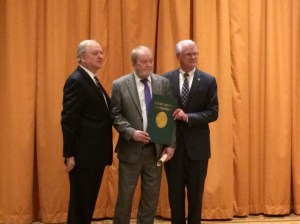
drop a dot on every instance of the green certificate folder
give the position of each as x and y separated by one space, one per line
161 125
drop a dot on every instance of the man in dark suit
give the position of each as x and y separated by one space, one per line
87 132
137 155
196 92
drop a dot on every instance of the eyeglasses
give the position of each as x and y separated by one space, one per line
195 54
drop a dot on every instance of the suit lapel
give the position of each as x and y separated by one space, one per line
195 85
154 85
131 85
88 79
175 85
93 86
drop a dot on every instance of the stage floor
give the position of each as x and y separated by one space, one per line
253 219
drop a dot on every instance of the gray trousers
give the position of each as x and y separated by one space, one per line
129 174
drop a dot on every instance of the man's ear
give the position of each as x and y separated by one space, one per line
81 59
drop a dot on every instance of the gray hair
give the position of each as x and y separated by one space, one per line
136 51
183 43
82 47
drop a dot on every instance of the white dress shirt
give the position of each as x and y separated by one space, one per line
140 89
190 78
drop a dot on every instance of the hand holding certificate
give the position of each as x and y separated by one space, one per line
161 125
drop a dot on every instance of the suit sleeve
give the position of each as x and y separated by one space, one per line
210 112
120 123
72 105
169 93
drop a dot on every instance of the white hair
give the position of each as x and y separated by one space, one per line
183 43
82 47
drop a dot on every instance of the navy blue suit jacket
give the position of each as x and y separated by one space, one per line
201 107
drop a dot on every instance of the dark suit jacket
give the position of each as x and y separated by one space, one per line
127 114
86 122
201 107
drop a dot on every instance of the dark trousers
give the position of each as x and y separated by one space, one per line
184 173
84 188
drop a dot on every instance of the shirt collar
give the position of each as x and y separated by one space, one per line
138 79
91 74
191 73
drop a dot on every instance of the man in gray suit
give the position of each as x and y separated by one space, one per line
137 155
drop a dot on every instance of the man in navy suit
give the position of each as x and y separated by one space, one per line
87 132
196 92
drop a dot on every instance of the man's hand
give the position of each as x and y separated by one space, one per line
141 136
169 151
179 114
70 163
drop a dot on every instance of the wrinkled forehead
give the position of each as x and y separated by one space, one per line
144 54
93 46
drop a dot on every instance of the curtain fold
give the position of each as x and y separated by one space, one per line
18 82
239 43
295 8
251 47
277 149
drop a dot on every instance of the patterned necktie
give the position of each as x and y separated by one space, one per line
147 94
185 88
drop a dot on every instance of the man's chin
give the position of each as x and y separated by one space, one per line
145 75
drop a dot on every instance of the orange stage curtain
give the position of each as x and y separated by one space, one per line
251 47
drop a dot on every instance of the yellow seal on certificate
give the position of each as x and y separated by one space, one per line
161 125
161 119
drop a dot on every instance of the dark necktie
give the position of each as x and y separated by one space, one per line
98 84
147 94
185 88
